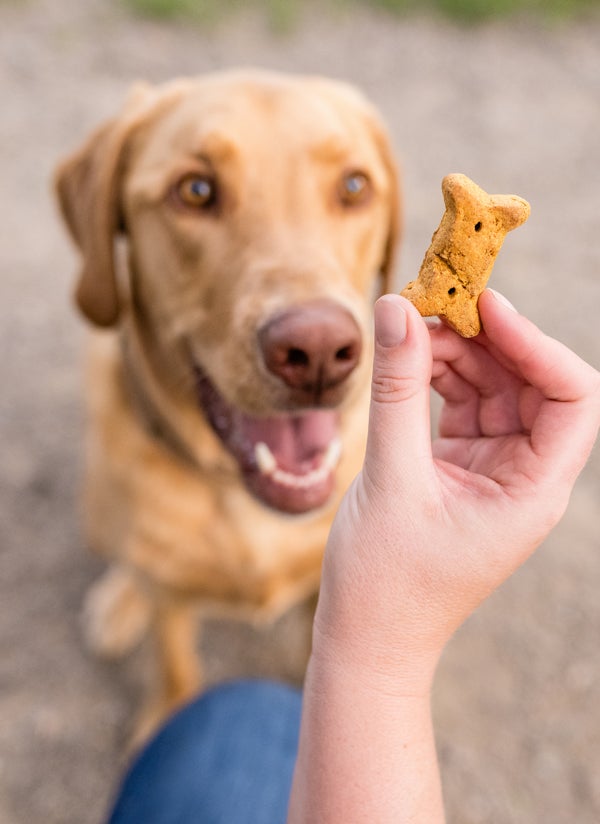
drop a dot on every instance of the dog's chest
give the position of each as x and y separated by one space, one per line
231 550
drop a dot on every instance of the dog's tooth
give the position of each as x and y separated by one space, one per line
333 454
281 477
284 478
268 465
288 479
265 460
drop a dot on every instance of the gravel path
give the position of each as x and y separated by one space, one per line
517 108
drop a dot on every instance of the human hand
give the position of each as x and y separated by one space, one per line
428 530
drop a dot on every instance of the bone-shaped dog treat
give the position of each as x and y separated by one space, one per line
463 249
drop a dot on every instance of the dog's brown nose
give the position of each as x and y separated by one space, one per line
312 348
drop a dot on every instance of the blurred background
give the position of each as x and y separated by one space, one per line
507 92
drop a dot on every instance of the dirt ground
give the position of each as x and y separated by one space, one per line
516 107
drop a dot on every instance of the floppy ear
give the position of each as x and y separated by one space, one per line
88 185
394 232
338 90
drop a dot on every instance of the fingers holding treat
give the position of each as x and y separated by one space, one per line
481 397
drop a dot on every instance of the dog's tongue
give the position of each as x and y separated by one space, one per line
297 441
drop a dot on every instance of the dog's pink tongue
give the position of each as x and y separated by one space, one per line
297 442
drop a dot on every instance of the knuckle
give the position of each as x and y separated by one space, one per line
392 388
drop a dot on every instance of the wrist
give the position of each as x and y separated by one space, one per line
400 669
367 748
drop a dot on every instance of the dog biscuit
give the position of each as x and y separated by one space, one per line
459 261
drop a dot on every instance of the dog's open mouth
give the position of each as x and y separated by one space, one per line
287 460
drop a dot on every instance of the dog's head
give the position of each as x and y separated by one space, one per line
259 212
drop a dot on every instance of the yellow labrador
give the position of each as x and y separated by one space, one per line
234 229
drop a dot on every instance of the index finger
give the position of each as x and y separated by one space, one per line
567 422
543 362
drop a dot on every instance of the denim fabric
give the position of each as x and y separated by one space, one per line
226 758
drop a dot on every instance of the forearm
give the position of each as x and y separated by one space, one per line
367 752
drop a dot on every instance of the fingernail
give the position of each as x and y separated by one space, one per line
390 321
501 299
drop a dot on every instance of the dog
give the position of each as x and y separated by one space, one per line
234 229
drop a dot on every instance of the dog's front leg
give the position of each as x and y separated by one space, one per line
179 665
175 629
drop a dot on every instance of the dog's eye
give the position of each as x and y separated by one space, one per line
354 188
198 191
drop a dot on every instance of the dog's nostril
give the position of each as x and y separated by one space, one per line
346 353
297 357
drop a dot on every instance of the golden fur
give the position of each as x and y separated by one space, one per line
165 501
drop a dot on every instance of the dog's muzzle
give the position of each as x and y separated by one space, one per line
288 459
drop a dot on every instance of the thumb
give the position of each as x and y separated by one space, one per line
399 441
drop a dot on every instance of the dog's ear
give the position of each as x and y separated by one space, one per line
394 230
88 185
379 134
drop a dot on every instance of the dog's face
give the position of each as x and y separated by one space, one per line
259 210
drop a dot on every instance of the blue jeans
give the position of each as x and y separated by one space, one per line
226 758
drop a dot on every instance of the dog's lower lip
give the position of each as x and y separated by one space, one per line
293 498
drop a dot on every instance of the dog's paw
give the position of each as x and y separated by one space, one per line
116 614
